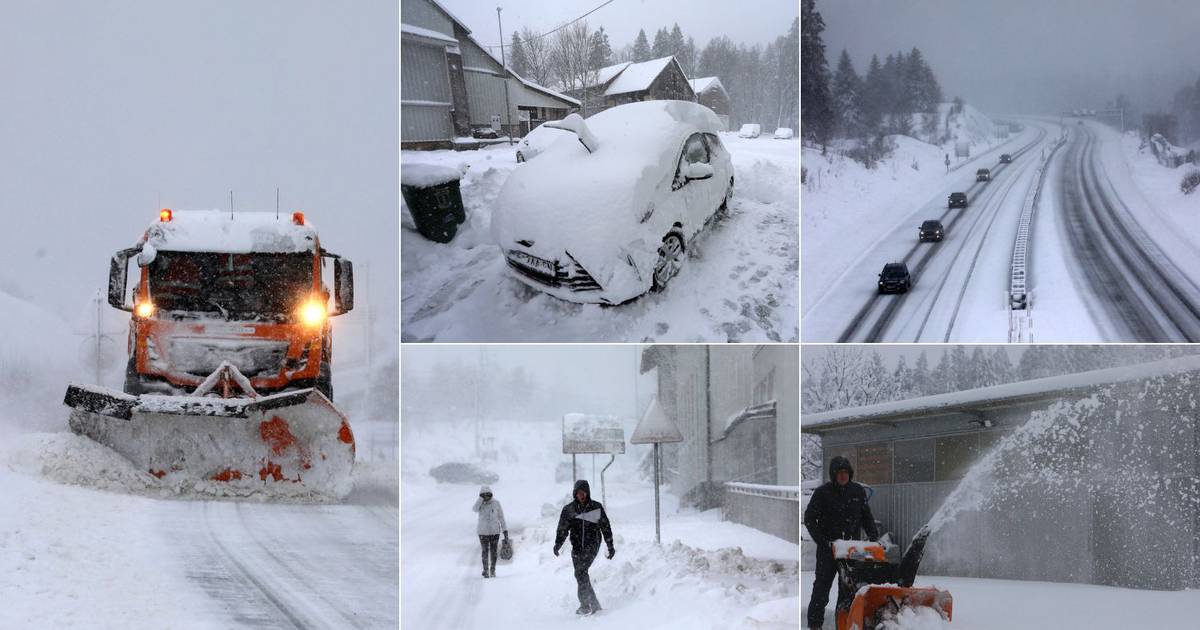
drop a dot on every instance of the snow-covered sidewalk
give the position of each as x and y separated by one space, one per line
740 282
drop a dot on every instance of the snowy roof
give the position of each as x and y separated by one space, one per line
427 33
235 233
705 84
606 74
545 90
450 15
655 427
638 76
998 395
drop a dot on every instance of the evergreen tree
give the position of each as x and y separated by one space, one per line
517 58
977 369
960 369
903 377
687 58
675 41
847 98
873 95
942 378
641 47
1000 368
662 44
600 54
920 376
816 114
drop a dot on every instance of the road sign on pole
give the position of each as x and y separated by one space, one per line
655 428
587 433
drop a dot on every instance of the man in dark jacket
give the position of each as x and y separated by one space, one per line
585 521
837 510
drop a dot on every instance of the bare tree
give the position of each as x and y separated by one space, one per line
570 59
537 56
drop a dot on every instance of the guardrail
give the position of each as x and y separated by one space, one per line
1020 324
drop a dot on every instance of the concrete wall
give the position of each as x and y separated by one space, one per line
774 515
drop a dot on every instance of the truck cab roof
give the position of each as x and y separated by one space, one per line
230 232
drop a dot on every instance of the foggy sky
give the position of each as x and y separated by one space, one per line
1029 56
759 22
607 373
106 105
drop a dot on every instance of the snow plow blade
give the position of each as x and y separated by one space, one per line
873 601
290 444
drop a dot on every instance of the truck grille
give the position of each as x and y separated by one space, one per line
200 356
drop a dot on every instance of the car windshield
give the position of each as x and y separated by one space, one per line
933 225
244 285
894 270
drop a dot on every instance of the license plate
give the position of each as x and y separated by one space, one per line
533 261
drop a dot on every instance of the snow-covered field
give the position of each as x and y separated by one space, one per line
708 573
981 604
739 282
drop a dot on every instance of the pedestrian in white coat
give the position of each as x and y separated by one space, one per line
491 525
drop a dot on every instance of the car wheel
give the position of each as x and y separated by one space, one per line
670 259
724 208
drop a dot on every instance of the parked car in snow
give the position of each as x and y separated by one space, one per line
930 230
610 216
784 133
895 278
484 133
1005 158
462 472
958 200
536 141
750 130
983 175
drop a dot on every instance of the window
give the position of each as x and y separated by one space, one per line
765 389
695 150
874 463
955 454
913 460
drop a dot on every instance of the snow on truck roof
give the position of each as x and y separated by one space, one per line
235 233
1010 393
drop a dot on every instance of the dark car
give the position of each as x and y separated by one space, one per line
484 133
958 200
930 230
983 175
1005 158
462 472
895 278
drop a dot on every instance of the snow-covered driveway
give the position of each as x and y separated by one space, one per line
740 282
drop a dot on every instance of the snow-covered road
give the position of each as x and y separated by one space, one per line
118 554
740 282
959 285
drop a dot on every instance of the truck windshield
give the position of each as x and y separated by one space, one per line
249 286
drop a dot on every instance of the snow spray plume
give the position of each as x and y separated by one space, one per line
1073 494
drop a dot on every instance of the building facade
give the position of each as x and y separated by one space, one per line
711 94
738 409
450 85
655 80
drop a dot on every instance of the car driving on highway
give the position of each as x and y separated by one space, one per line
930 230
983 175
958 200
609 214
895 278
1005 158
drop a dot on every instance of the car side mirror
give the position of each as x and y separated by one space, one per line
698 170
118 272
343 286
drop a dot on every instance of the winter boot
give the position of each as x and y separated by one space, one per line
485 573
583 610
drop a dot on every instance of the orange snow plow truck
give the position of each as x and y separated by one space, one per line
883 584
228 384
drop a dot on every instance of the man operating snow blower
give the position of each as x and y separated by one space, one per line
837 510
585 521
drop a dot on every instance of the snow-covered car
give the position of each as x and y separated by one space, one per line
784 133
750 130
610 216
462 472
536 141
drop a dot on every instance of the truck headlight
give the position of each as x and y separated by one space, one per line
145 309
313 313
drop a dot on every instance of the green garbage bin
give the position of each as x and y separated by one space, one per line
434 200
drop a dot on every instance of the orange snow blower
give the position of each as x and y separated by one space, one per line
882 583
